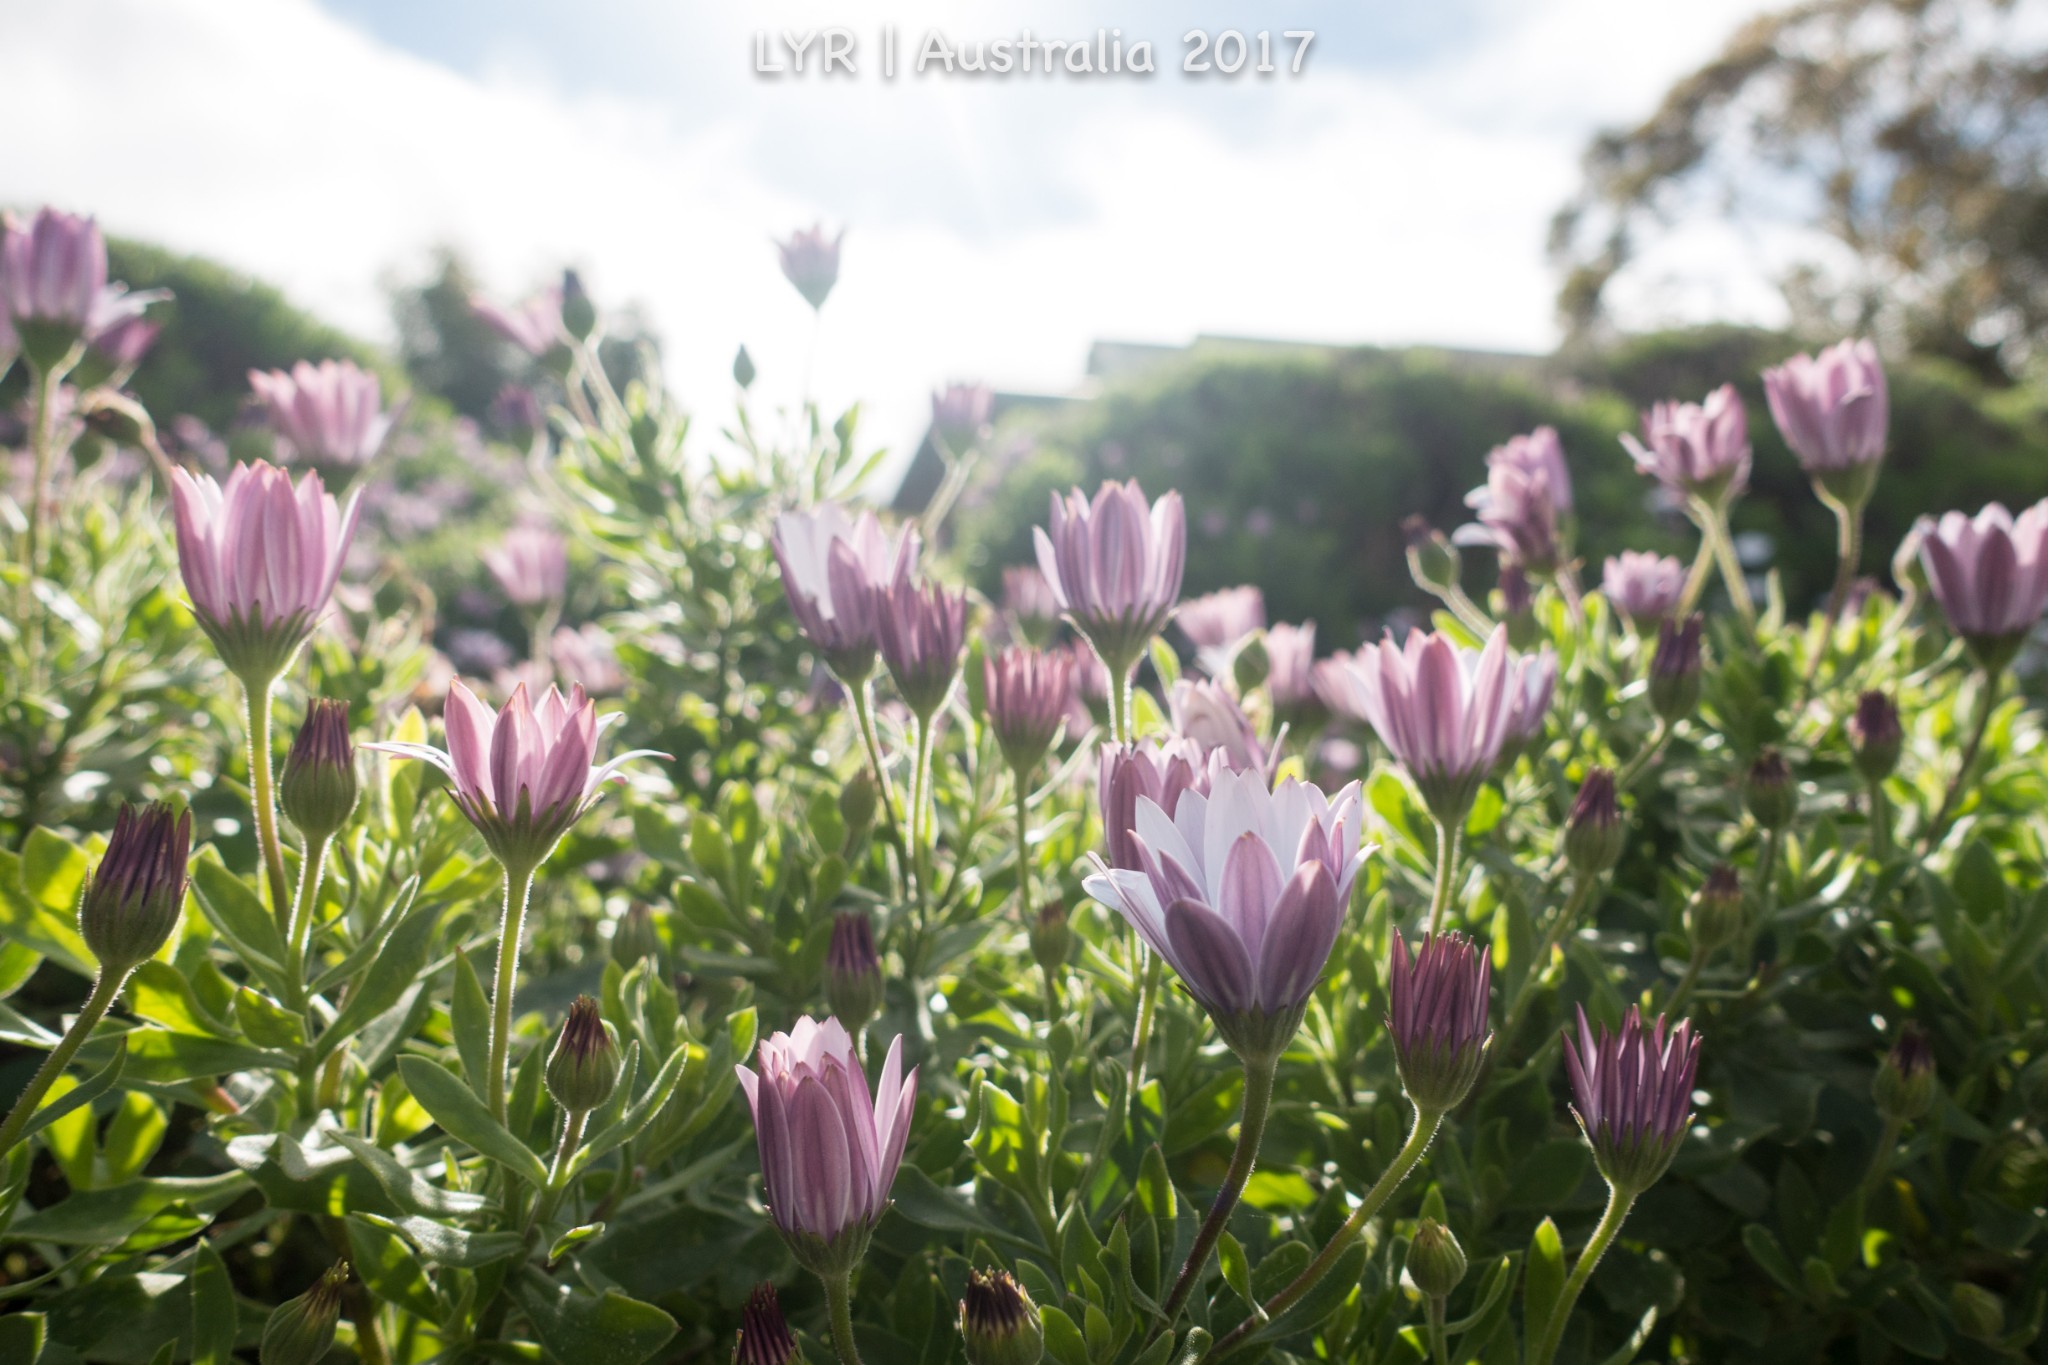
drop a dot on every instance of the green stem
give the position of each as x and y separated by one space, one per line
1449 840
1987 699
1582 890
1880 824
1122 679
864 718
105 988
262 797
920 818
312 862
1437 1353
511 926
39 491
1258 1102
1618 1205
1696 577
558 1170
1732 576
1646 755
1419 1138
1141 1035
1686 982
1848 553
1880 1159
839 1302
1023 850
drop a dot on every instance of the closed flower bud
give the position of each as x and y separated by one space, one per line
317 788
764 1333
1769 792
1052 937
1595 834
1979 1313
1675 670
998 1321
1875 732
853 971
1436 1015
634 939
1432 559
1436 1263
1518 606
301 1330
133 898
743 375
857 803
1716 912
1632 1095
579 314
1905 1086
584 1066
1252 664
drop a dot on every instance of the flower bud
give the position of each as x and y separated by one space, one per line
317 788
1437 1018
1768 790
133 898
1518 607
857 803
743 375
579 314
1432 558
301 1330
1052 938
1253 665
1675 669
1435 1260
1875 732
1905 1086
584 1066
764 1334
1979 1313
853 971
999 1322
116 417
1595 834
634 939
1715 916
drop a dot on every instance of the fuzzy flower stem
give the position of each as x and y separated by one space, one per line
871 741
39 490
1880 1156
105 989
511 926
298 938
1693 967
1258 1101
921 816
1618 1205
1141 1035
839 1303
1880 824
558 1170
1437 1352
1987 701
1696 577
1849 550
1731 570
256 699
1121 679
1024 851
1419 1138
1450 840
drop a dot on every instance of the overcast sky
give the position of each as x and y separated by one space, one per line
1397 190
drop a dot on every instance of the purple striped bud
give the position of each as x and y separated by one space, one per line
853 971
583 1069
133 898
1990 574
836 570
1905 1087
764 1333
329 415
922 628
1436 1016
1698 450
1595 834
52 273
1242 892
531 565
1030 694
1833 410
828 1153
810 261
1715 916
1769 791
1644 588
1632 1094
998 1321
1675 669
317 788
579 310
1052 937
1114 566
1875 733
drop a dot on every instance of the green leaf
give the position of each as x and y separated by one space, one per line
268 1023
1322 1300
1063 1340
132 1138
163 995
462 1115
581 1329
110 1216
1542 1280
21 1337
238 913
642 1110
53 871
159 1057
377 990
444 1245
1237 1271
1980 885
85 1092
26 921
1636 1339
18 962
214 1318
573 1238
469 1014
920 1199
408 1188
389 1270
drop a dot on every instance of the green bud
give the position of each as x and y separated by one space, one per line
634 937
1432 559
584 1066
1904 1088
1979 1313
1769 791
1875 732
116 417
318 786
1253 664
1715 916
579 314
1435 1260
857 804
1052 937
1675 669
743 369
1595 834
301 1330
998 1321
133 898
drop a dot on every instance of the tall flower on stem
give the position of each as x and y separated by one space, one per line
130 905
1632 1094
260 558
1029 695
329 415
531 566
1445 712
1833 409
923 632
523 776
1990 574
317 791
1242 891
1114 566
829 1153
1700 453
1526 503
810 262
53 271
1436 1017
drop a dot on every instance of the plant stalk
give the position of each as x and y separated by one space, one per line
1450 840
1258 1102
839 1302
256 699
511 926
299 935
1987 700
106 987
1618 1205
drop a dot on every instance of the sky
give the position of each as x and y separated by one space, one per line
1397 189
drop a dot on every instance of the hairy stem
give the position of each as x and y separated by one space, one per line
1696 577
105 988
839 1302
1258 1101
299 935
1023 850
1141 1034
1880 824
558 1170
511 926
1645 756
1610 1223
45 441
1731 570
1449 840
256 695
1437 1353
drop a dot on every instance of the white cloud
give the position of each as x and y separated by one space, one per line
1345 206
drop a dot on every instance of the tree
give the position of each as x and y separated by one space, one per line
1912 134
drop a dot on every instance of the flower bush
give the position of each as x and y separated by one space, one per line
1645 972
